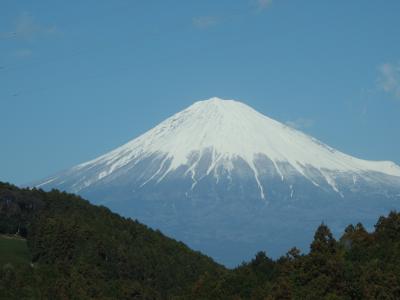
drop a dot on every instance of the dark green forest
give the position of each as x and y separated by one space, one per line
56 245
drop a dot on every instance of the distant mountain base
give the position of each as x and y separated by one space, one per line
230 222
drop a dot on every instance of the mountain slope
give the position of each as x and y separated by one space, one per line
80 251
221 173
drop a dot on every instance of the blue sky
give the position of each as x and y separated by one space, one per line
79 78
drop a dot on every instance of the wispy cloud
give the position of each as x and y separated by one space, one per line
300 123
389 79
207 21
27 27
203 22
263 4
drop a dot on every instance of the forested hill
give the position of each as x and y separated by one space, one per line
67 248
81 251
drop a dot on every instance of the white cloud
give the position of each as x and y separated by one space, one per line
263 4
300 123
203 22
389 79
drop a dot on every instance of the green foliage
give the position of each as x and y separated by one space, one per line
80 251
13 250
360 265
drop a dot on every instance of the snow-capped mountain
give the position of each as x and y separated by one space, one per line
220 174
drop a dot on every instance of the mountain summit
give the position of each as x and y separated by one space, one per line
215 171
227 130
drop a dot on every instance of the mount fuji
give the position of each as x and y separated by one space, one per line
230 181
